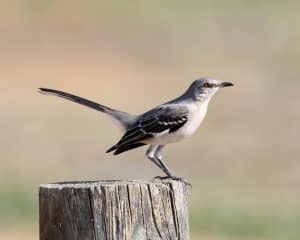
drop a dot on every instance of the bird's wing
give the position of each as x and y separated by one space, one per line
163 119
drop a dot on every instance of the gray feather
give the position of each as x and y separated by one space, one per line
122 119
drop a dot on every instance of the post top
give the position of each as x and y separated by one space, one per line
98 183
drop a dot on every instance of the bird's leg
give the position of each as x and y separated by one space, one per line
151 156
154 154
158 156
170 175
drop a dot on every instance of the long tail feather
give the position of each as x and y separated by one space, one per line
76 99
122 119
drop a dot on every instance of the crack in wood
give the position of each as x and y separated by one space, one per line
174 211
129 202
165 212
90 197
142 207
153 214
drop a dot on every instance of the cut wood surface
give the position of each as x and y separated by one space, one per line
114 210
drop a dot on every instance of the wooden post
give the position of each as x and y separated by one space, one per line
114 210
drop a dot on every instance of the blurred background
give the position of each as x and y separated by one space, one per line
132 55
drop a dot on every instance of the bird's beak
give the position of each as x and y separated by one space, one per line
226 84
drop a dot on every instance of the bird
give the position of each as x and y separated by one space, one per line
164 124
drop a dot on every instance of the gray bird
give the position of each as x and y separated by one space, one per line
167 123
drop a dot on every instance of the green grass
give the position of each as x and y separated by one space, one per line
18 204
245 221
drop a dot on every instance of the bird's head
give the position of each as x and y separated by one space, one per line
204 89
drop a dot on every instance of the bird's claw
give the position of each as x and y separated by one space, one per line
174 178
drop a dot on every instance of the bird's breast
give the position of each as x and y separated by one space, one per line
195 118
194 121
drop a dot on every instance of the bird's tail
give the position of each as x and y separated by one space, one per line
122 119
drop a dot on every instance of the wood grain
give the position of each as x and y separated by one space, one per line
114 210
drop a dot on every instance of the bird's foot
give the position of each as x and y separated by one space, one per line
174 178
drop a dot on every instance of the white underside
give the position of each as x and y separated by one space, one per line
196 115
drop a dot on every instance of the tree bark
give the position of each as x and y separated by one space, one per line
114 210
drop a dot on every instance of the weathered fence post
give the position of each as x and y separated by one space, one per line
114 210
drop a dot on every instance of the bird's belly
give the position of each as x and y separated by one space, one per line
185 131
167 138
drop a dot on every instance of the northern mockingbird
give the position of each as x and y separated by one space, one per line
167 123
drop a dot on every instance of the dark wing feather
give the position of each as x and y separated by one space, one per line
128 147
149 124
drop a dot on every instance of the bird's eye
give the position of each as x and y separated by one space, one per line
206 85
